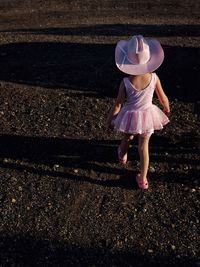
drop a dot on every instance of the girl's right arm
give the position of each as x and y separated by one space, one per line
117 105
162 97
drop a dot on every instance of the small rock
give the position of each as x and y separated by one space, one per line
173 247
5 160
13 200
152 169
75 171
193 190
150 250
56 166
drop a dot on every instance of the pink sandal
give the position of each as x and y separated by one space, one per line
121 156
143 184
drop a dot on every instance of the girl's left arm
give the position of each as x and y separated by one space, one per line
162 97
117 105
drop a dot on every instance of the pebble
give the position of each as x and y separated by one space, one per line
56 166
13 200
173 247
150 250
152 169
75 171
5 160
193 190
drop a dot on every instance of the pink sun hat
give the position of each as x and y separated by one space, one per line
138 55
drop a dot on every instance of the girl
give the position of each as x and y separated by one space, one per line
138 57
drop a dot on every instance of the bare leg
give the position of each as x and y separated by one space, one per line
123 148
126 142
143 149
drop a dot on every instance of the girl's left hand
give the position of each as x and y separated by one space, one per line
167 113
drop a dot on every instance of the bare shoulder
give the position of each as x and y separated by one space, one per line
122 85
158 82
121 94
158 88
156 77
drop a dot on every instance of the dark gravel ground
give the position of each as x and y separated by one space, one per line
64 199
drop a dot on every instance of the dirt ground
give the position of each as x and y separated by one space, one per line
64 199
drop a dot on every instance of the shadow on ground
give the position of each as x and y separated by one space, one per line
22 250
90 68
95 161
116 30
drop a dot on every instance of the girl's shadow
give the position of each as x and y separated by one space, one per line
93 161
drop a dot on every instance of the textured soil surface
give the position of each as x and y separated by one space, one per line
64 199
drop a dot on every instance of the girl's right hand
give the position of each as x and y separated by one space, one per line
109 127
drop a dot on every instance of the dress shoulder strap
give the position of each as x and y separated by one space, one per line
126 84
154 80
155 77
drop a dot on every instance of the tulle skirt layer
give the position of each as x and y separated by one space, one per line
140 121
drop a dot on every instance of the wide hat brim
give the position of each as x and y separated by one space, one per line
123 64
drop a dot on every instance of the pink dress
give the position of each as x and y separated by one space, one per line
139 115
